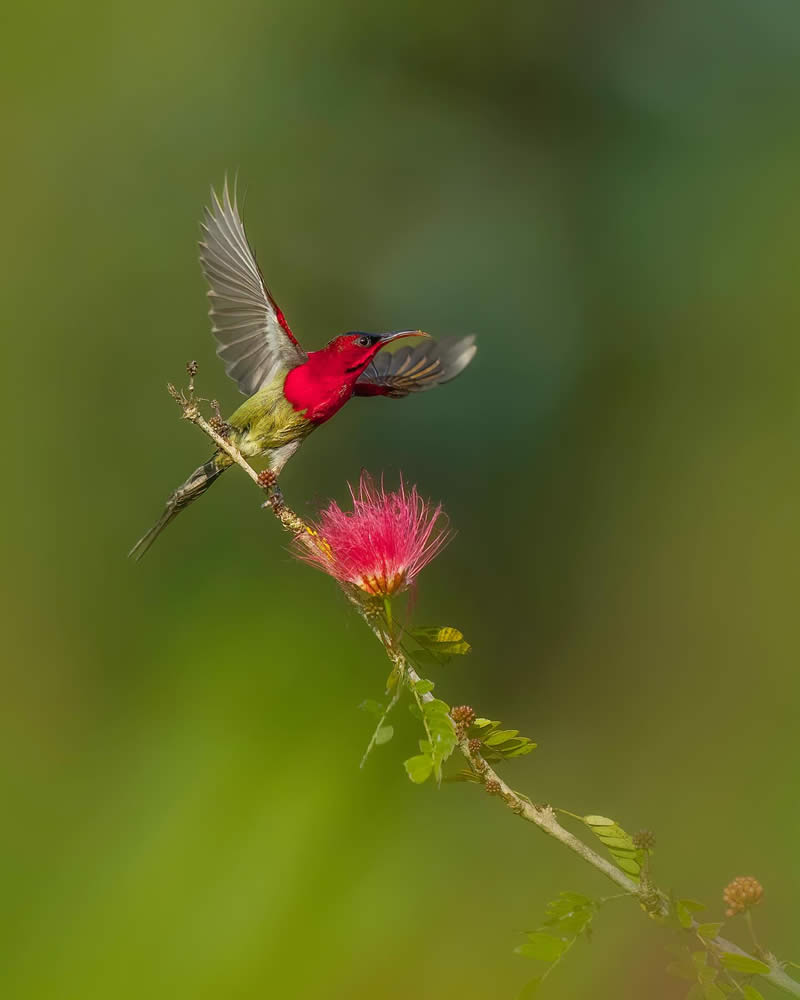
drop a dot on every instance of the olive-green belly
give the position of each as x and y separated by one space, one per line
267 420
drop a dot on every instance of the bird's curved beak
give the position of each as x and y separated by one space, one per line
387 338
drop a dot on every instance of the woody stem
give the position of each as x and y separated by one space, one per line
652 900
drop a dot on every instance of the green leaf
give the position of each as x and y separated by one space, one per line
419 768
565 904
573 924
440 640
705 973
423 686
693 905
499 744
435 707
570 914
683 914
751 993
543 947
518 749
500 736
427 658
619 843
743 963
708 931
436 634
373 707
383 735
576 898
712 992
463 775
440 725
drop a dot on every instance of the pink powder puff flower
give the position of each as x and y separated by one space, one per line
382 544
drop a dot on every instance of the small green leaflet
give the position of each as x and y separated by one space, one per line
743 963
440 734
567 916
751 993
499 744
708 931
419 768
383 735
543 947
619 844
570 914
439 643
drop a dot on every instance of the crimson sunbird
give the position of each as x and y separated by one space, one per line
290 392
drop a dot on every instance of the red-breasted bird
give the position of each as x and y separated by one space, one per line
290 392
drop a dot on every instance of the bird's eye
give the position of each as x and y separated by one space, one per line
364 341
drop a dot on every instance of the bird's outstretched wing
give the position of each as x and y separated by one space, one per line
414 369
253 336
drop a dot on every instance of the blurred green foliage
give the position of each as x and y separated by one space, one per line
606 194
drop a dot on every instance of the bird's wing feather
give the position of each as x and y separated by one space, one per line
253 336
414 369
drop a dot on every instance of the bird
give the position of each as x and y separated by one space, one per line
290 392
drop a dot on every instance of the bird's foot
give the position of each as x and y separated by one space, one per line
268 481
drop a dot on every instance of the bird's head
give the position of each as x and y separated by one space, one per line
350 353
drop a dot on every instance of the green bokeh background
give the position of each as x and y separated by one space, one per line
607 195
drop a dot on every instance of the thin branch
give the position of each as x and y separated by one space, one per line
652 900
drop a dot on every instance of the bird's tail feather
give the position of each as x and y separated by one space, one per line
195 486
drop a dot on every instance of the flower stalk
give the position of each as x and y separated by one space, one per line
430 538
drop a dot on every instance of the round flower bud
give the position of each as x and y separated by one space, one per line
644 840
266 478
462 715
742 893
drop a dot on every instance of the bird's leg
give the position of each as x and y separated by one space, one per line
268 480
277 501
